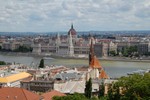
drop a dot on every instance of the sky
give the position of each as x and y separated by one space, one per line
86 15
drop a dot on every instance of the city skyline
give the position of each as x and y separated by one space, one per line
86 15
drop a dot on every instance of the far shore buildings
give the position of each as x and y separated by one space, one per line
71 46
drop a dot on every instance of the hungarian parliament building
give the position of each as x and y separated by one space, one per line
70 46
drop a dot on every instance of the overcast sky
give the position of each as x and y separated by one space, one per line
86 15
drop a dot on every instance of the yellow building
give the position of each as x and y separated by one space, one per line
13 80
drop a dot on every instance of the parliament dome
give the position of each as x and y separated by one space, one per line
72 31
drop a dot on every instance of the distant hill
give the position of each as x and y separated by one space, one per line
144 32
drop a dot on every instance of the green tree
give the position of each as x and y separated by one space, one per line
101 90
75 96
94 98
112 53
129 51
23 49
88 88
110 94
2 63
41 65
114 92
133 87
125 52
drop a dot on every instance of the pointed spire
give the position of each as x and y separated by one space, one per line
58 39
92 47
72 26
91 52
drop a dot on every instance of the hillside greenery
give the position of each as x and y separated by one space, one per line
133 87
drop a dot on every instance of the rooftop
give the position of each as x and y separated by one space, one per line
95 63
103 75
50 95
14 77
9 93
68 76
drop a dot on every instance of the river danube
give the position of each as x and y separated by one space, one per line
113 68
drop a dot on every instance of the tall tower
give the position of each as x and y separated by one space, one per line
58 42
97 71
70 47
91 52
72 26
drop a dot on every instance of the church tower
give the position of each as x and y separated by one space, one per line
97 72
70 47
91 52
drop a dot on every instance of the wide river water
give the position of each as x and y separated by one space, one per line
113 68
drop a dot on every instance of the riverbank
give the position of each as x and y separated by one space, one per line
124 59
113 68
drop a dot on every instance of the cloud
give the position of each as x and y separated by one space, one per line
57 15
143 10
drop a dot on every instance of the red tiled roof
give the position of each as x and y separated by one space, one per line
103 75
95 63
50 95
11 93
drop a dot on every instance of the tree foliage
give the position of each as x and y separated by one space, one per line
2 63
23 49
114 92
147 54
129 51
112 53
88 88
41 65
133 87
75 96
101 90
94 98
